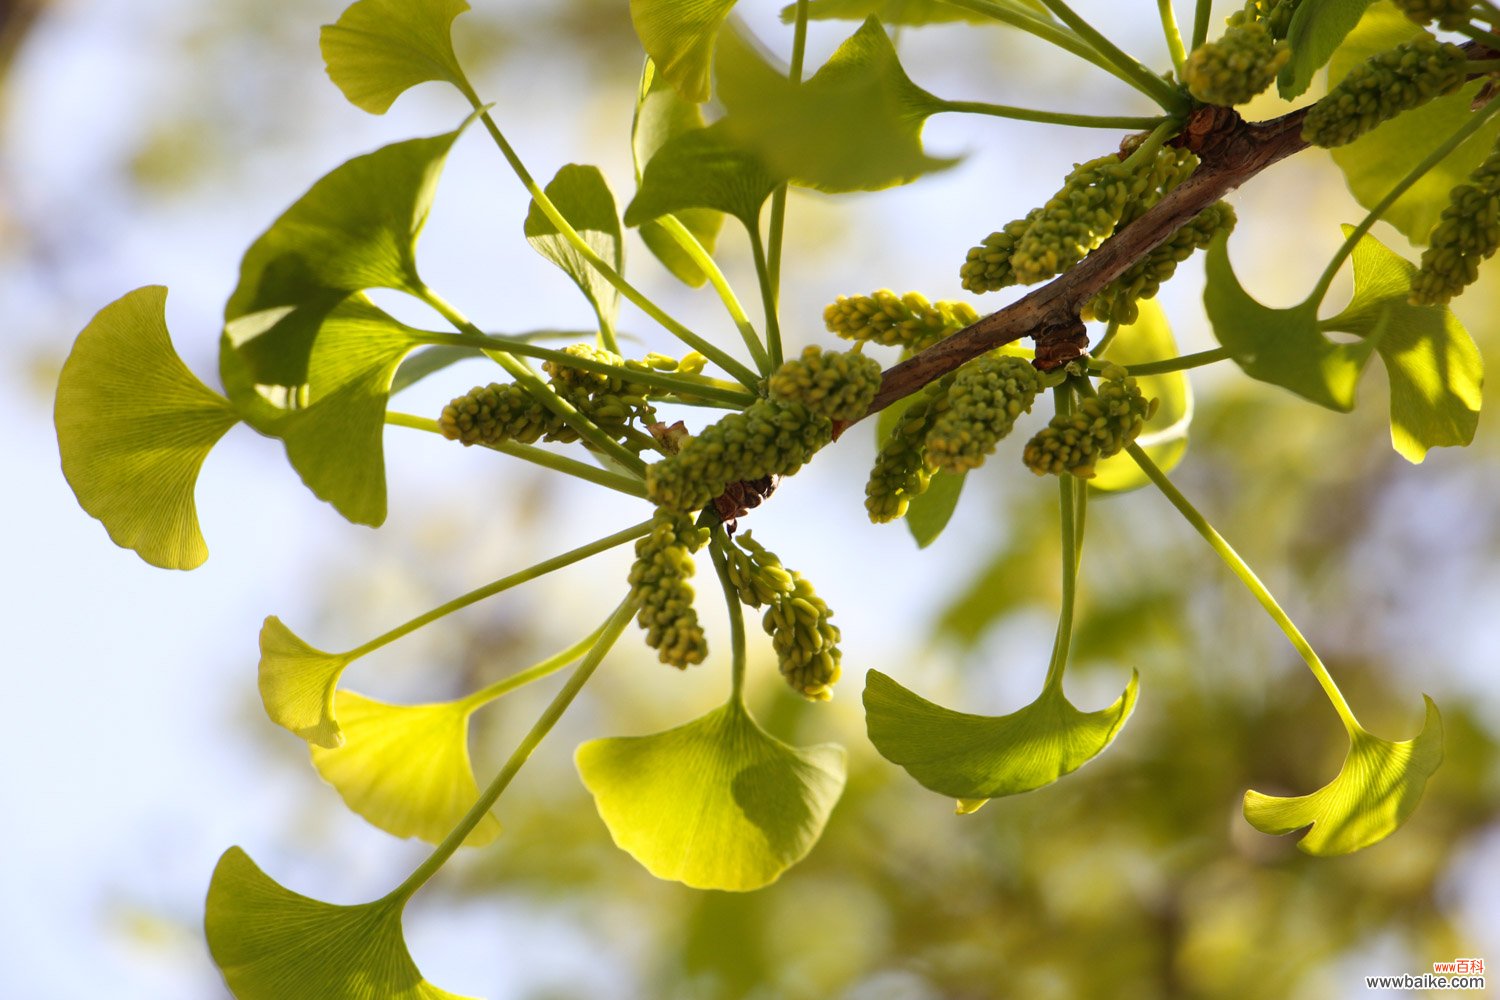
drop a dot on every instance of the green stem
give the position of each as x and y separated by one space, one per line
1179 364
1173 34
684 238
736 615
554 711
1475 66
1070 516
607 338
541 392
504 583
536 672
1149 149
1252 582
1473 125
1201 17
1042 27
778 197
725 361
1110 331
1136 122
767 297
1489 38
538 456
1163 93
729 393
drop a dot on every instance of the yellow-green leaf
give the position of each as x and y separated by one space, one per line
1378 787
583 197
1165 435
378 49
717 803
969 757
297 684
661 114
133 428
405 768
705 168
274 944
679 36
1316 30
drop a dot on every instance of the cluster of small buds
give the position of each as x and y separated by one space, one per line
770 437
659 579
805 640
1095 199
980 408
501 411
838 385
1100 427
1388 83
1449 14
1276 15
1236 66
885 318
1467 233
901 471
1145 277
756 572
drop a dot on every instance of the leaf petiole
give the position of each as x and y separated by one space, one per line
684 238
1135 122
536 672
1171 99
778 197
1168 365
1201 17
1173 35
716 548
1071 516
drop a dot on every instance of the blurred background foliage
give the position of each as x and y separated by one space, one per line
1134 878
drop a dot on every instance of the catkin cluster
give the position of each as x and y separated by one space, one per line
1096 198
1117 301
659 579
1449 14
885 318
1388 83
507 411
978 410
838 385
902 471
796 618
1236 66
1100 427
1467 233
770 437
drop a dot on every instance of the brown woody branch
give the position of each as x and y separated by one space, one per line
1231 151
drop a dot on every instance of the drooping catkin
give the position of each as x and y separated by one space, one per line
838 385
1144 278
1466 235
1098 428
1236 66
885 318
980 408
1386 84
659 580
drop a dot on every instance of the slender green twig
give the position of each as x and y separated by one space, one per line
1110 331
1169 97
767 298
1473 125
1044 28
540 391
1489 38
1173 35
607 339
1136 122
1201 16
537 456
504 583
725 361
1168 365
736 615
536 672
684 238
1068 496
778 197
539 730
1247 576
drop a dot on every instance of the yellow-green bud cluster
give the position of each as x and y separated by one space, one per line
1096 198
980 408
1236 66
796 618
1145 277
659 579
769 438
1276 15
896 321
1100 427
806 642
1388 83
1449 14
902 471
838 385
501 411
1467 233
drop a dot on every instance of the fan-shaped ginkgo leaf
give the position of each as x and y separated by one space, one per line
405 768
661 115
704 168
274 944
1316 30
354 229
1378 787
378 49
680 37
583 197
297 684
1165 435
970 757
717 803
133 428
